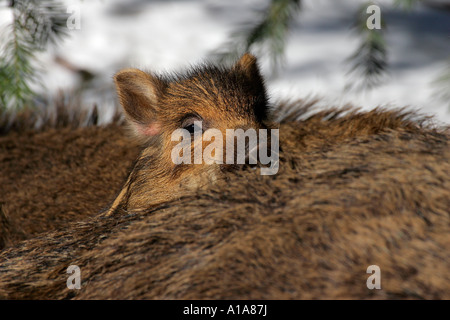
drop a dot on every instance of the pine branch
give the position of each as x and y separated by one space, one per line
268 37
35 25
369 61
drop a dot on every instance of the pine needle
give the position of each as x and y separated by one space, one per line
35 25
369 62
268 37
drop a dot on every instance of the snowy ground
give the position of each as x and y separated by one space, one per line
170 35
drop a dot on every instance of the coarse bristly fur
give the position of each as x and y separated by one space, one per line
354 189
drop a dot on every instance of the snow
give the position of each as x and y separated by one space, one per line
171 35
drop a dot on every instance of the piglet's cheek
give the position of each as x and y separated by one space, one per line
151 129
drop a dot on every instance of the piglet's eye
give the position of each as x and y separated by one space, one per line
193 127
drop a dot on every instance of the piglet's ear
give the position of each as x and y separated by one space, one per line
139 94
248 65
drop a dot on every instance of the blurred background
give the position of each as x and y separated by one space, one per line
55 53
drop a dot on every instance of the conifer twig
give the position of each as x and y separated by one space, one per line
267 37
34 26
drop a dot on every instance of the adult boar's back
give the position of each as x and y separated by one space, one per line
56 175
353 190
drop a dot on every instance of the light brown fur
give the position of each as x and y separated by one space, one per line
156 106
354 189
